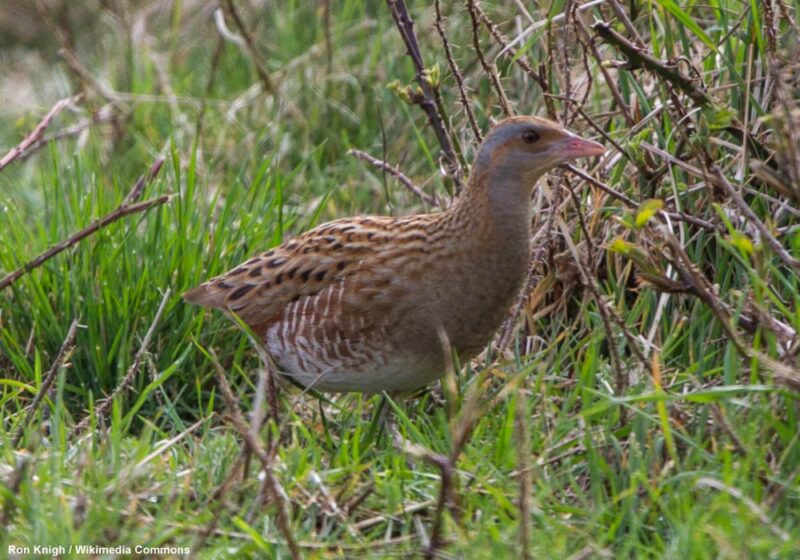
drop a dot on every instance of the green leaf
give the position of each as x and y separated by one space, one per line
646 211
741 242
432 75
621 246
718 117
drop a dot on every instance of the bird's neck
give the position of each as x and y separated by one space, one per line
495 206
488 235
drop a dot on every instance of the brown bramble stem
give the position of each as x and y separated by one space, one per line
47 381
397 174
456 74
630 203
38 132
127 208
490 69
428 100
639 58
702 288
511 52
230 8
731 191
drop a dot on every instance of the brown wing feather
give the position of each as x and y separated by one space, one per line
260 288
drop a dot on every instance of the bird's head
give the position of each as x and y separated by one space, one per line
528 147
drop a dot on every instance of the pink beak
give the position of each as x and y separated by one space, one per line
576 147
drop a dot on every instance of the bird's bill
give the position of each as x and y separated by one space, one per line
576 147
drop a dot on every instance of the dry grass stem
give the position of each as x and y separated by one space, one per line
254 446
37 134
58 362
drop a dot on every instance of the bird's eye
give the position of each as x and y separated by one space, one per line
530 136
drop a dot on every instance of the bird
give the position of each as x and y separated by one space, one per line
374 304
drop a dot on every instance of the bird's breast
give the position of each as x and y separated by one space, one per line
481 290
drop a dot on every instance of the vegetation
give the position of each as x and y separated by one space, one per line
645 403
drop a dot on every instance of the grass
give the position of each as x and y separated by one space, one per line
691 452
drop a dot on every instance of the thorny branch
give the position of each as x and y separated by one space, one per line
120 212
427 101
488 68
230 8
397 174
47 382
128 207
702 288
773 243
511 52
638 57
38 132
462 92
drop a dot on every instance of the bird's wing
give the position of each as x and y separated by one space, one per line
259 289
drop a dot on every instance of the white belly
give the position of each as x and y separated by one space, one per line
342 366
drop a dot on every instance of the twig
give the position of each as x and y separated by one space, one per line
460 434
626 22
702 288
212 75
774 244
509 51
630 203
58 363
104 404
272 392
722 419
38 132
252 443
84 75
462 92
132 470
566 73
249 44
612 86
638 57
607 313
446 499
490 69
127 207
684 166
397 174
538 24
103 114
382 518
426 101
327 23
224 31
